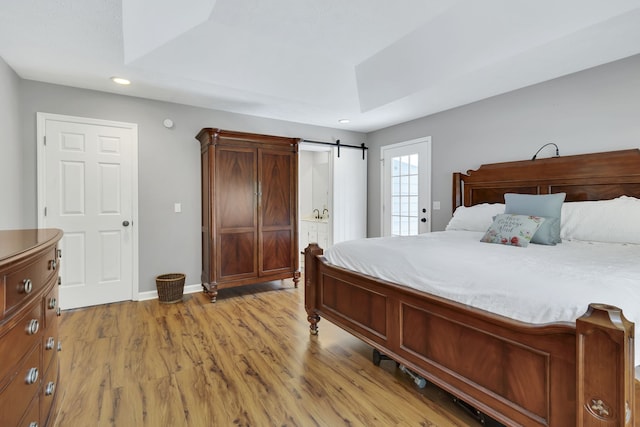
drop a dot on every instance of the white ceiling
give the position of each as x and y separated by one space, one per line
375 62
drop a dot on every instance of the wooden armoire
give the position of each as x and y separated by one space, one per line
249 209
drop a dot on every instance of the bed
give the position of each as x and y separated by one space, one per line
547 369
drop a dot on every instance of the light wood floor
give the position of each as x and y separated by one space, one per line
247 360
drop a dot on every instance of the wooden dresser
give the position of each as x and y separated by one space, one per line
29 367
249 209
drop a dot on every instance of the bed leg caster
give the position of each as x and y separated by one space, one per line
378 357
479 416
420 382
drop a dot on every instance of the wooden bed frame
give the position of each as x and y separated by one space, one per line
556 375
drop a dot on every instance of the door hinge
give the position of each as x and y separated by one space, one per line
44 138
45 211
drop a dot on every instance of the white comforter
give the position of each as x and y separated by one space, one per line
537 284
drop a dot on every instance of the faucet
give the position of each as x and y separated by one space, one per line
325 210
317 215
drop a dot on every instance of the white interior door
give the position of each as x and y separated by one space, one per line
87 186
349 195
406 188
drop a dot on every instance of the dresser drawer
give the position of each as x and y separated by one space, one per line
33 414
21 390
50 342
20 339
51 307
50 330
49 387
30 279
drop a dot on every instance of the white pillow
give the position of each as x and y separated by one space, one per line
611 221
475 218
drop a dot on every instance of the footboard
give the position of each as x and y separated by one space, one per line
520 374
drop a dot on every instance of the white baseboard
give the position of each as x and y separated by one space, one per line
188 289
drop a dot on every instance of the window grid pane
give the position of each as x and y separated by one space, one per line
395 225
404 185
404 165
395 205
404 206
395 166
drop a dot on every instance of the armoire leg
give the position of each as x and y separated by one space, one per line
296 279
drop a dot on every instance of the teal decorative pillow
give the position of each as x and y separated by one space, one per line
544 205
512 229
547 233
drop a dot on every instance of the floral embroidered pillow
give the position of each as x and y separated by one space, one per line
513 229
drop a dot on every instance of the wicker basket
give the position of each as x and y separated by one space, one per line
170 287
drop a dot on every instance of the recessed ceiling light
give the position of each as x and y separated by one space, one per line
344 121
120 80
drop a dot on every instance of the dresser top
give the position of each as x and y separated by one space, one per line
16 242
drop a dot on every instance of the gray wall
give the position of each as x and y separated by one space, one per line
13 211
168 164
594 110
590 111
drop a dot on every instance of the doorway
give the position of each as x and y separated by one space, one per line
315 196
406 188
87 186
332 186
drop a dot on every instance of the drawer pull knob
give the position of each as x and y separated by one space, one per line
51 342
52 303
53 264
58 311
59 345
33 424
27 286
51 387
33 327
59 280
32 376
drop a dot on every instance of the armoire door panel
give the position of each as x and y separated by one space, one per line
236 252
235 200
276 250
276 188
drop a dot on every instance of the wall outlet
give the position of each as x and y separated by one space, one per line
177 207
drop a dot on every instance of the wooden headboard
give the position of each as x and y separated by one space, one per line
596 176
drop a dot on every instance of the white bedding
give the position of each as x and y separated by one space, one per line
537 284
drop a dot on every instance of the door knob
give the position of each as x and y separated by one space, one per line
125 223
423 220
